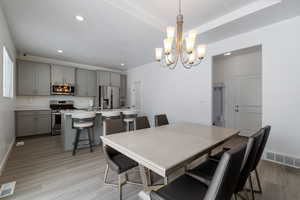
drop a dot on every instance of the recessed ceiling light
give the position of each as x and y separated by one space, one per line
60 51
122 64
227 54
79 18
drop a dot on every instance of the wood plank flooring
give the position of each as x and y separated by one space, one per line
43 171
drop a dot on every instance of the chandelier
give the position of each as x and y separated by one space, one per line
179 49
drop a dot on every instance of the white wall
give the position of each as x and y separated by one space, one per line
7 106
185 95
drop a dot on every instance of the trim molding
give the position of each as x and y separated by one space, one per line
65 63
6 156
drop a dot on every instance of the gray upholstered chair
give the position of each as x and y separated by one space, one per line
161 120
222 184
116 161
142 123
204 172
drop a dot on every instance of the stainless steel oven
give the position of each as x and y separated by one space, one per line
62 89
56 107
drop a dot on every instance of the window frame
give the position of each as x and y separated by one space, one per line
7 74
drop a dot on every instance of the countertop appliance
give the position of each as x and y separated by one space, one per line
109 97
56 106
62 89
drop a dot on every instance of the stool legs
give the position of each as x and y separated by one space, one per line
90 139
76 141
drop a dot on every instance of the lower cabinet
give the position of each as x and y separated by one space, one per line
33 122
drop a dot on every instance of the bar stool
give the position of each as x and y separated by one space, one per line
129 117
83 121
107 115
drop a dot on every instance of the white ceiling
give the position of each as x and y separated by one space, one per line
127 31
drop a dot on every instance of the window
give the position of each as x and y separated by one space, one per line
8 75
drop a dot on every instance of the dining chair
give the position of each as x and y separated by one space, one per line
116 161
204 172
258 158
161 120
222 185
142 123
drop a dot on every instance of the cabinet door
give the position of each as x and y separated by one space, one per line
26 78
92 83
115 79
103 78
43 124
62 74
57 74
42 79
25 125
69 75
123 88
82 82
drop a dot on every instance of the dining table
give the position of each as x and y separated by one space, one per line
166 149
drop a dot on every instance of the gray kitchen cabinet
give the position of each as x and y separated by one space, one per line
33 79
62 74
86 83
123 87
115 79
32 123
103 78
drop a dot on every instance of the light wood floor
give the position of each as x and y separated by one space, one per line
43 171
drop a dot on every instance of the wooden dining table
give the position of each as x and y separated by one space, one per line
168 148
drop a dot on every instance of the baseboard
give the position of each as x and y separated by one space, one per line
4 160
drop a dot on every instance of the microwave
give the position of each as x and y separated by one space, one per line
62 89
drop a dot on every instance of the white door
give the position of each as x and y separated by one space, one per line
247 108
136 101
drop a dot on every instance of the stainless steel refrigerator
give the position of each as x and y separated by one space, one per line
109 97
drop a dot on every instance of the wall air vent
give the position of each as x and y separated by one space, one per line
282 159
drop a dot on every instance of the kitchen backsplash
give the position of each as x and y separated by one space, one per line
43 102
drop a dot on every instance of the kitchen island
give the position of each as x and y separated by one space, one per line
68 133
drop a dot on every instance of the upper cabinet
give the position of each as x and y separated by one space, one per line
103 78
123 88
115 79
108 79
62 74
33 79
86 82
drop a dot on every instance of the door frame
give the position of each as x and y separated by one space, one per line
212 78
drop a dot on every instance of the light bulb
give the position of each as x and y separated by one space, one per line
189 42
170 32
168 45
201 50
158 53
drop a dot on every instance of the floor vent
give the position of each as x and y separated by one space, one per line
7 189
282 159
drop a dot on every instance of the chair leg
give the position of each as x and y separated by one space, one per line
106 176
258 182
120 186
90 139
251 187
76 141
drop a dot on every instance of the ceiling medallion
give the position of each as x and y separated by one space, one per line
178 49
